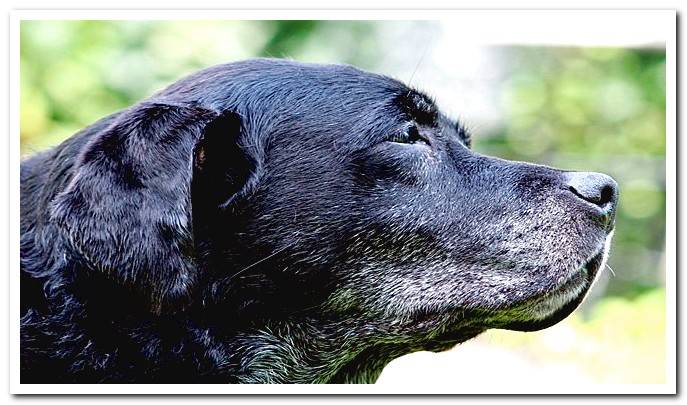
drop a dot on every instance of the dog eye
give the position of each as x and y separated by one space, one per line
410 135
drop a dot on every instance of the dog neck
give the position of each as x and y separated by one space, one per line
313 351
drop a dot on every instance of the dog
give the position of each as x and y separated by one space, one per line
269 221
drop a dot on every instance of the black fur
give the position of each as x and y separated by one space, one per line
271 221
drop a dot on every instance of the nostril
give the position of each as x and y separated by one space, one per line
601 198
607 195
596 188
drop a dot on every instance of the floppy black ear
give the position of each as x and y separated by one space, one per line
127 210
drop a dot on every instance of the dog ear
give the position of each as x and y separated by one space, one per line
127 209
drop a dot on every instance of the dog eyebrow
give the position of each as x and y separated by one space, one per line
463 133
418 107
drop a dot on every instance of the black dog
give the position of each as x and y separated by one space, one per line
272 221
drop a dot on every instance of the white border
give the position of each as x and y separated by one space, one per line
14 232
480 27
671 209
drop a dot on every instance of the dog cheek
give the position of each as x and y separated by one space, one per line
382 168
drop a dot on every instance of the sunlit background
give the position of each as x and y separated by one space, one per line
580 108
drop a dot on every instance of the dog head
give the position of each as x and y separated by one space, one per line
270 190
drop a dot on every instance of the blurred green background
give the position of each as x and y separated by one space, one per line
594 108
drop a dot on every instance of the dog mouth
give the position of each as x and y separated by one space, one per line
558 304
534 314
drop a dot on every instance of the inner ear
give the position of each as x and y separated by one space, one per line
224 172
222 168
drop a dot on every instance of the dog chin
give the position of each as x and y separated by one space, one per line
558 304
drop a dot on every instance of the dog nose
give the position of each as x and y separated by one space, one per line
598 189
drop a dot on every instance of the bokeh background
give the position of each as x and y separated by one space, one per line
579 108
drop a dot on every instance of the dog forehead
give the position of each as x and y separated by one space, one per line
273 82
279 97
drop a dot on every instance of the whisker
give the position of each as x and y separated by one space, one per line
609 268
276 252
429 43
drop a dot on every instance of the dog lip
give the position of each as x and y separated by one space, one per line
588 271
591 269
